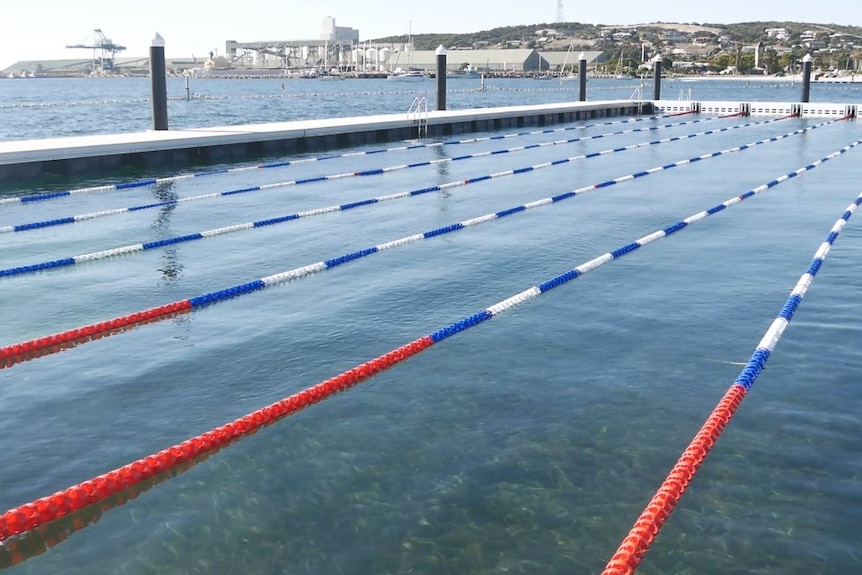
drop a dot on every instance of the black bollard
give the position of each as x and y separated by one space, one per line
441 77
158 83
582 77
656 91
807 60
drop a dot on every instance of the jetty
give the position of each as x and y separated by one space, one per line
171 149
107 154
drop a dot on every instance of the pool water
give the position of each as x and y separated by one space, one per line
527 444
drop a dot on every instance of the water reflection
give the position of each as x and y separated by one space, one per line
171 265
442 167
39 540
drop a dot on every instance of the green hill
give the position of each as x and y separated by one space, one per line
529 35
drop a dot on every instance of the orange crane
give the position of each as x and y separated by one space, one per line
103 49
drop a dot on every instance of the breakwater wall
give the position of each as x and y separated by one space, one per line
100 155
30 160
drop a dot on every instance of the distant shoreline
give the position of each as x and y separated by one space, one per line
797 78
250 74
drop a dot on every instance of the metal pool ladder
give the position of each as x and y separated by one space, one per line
637 96
418 113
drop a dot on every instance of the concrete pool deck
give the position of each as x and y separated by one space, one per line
106 154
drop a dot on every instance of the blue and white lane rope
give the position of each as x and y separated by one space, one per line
117 211
299 272
329 177
186 176
57 342
649 524
770 339
132 248
124 250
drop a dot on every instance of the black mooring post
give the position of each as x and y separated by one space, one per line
158 83
582 77
441 77
807 60
656 86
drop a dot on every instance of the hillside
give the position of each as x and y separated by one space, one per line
560 35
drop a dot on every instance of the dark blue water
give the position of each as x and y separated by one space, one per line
44 107
528 444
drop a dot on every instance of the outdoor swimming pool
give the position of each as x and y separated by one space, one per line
526 444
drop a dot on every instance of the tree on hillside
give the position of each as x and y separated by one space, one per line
770 61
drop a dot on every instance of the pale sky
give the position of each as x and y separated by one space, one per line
41 29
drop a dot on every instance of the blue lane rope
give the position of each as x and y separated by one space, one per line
649 524
299 272
377 171
282 164
213 297
770 339
124 250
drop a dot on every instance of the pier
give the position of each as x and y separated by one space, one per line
107 154
98 155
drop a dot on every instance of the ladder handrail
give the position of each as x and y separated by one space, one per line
417 108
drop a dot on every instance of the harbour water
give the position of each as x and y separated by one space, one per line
41 108
527 444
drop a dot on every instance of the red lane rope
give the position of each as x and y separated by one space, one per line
633 548
60 504
48 535
679 114
636 544
20 352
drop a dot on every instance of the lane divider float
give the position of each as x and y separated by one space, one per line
647 527
29 516
282 164
25 351
364 173
145 246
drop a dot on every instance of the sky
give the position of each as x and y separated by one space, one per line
41 29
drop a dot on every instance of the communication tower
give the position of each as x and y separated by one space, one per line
559 10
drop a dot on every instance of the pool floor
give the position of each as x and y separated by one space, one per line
526 444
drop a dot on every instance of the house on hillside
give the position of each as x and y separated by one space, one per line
676 37
547 33
777 33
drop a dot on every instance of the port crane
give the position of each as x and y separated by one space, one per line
103 49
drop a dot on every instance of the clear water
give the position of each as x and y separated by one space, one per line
44 107
528 444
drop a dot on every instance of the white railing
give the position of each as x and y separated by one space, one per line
721 108
418 114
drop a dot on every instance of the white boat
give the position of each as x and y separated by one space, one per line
570 74
620 74
468 73
329 75
409 76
